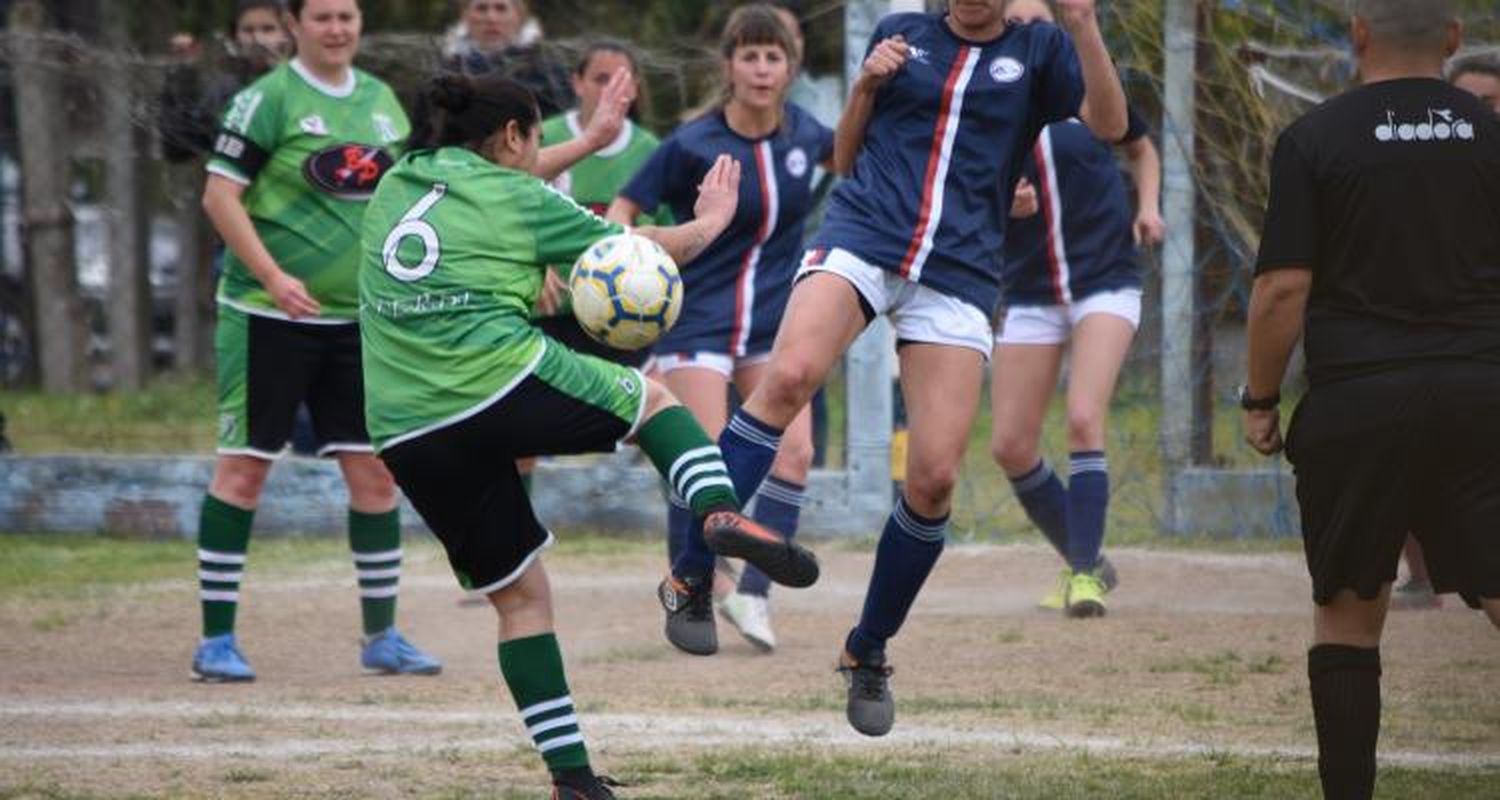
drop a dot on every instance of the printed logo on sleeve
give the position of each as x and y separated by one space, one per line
385 128
1441 125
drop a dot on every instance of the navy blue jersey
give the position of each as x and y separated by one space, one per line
1080 242
736 290
932 185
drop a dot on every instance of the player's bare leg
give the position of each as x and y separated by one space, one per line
941 386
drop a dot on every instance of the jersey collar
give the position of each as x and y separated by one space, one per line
611 150
340 91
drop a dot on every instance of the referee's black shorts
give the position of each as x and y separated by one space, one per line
1416 449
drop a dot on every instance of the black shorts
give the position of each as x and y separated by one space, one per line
565 328
462 479
267 367
1415 450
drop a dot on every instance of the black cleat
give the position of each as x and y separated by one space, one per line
582 784
690 614
871 709
732 534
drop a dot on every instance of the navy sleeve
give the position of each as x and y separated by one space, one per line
824 139
653 185
1058 88
1290 236
1136 126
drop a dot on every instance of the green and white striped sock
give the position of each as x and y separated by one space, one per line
688 459
533 669
375 540
223 539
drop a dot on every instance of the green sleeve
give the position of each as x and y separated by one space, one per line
249 132
565 229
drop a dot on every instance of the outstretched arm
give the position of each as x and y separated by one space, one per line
718 197
603 127
1104 99
883 63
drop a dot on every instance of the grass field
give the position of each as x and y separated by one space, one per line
1192 687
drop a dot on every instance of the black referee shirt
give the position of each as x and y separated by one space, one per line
1390 194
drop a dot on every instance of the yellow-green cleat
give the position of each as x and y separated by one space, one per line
1057 599
1085 595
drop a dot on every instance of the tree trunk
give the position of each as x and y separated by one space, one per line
192 325
48 223
128 299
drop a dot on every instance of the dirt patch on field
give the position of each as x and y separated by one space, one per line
1199 654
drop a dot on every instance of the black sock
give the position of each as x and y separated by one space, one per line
1346 707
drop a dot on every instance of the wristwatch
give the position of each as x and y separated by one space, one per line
1257 403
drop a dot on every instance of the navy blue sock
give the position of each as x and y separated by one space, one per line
1045 500
1088 499
679 523
909 547
694 559
749 446
778 506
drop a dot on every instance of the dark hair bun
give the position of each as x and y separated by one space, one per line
452 93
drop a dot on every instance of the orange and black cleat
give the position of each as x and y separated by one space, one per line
732 534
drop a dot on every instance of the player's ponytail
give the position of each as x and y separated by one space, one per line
462 111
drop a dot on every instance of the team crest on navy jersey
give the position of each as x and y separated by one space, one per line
350 171
796 162
1005 69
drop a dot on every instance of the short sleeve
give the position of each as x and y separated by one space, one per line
1136 126
565 229
249 133
1058 89
1289 238
654 184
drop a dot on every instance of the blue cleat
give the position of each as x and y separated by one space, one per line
389 653
218 660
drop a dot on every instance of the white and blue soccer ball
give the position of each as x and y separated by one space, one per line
626 291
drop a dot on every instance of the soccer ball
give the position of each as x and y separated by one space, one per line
626 291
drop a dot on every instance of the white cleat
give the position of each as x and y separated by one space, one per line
751 615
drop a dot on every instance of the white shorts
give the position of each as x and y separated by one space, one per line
722 363
919 313
1054 324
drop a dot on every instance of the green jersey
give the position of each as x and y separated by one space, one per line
594 181
310 156
453 252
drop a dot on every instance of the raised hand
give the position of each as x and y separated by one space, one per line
719 193
614 105
1072 13
884 61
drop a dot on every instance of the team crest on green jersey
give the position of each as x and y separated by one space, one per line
350 171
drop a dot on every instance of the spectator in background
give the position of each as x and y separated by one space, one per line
501 37
197 89
1479 77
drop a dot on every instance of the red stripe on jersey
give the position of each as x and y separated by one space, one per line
745 283
934 156
1045 191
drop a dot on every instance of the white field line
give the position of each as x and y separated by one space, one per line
607 731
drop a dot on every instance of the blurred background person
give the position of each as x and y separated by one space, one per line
501 36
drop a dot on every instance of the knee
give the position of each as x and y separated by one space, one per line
1014 454
788 385
929 488
1085 428
239 482
658 398
1492 609
371 487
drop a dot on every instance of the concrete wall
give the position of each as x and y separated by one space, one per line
1235 503
159 497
